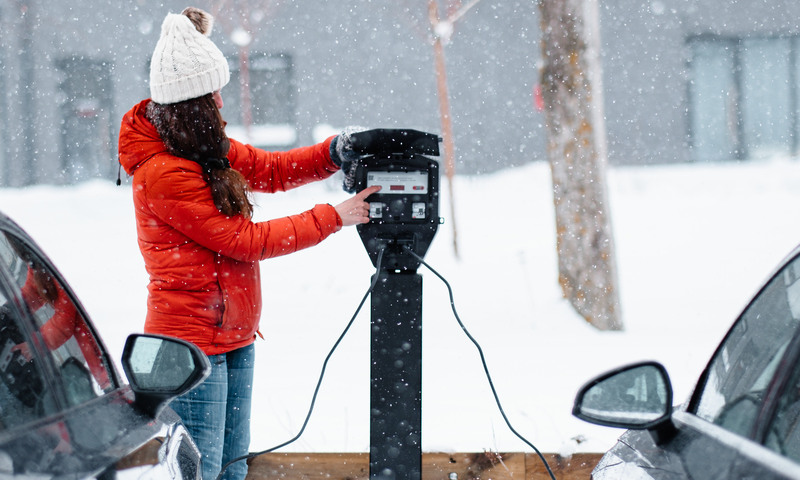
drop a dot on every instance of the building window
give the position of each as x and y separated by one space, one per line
88 149
272 99
743 97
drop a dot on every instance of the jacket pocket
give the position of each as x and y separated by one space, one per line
240 283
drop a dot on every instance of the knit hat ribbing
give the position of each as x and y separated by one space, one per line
185 63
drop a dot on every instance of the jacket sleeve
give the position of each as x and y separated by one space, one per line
281 171
181 199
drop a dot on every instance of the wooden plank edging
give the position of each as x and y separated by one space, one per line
435 466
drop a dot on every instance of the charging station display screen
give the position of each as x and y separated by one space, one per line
399 183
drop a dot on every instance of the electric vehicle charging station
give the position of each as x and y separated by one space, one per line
404 216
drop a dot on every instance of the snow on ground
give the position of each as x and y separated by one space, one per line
693 244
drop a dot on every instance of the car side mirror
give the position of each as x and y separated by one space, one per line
161 368
637 396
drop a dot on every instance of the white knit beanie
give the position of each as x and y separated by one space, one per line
186 63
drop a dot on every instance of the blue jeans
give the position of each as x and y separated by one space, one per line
217 413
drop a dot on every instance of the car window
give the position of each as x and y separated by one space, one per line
783 433
24 394
743 366
62 331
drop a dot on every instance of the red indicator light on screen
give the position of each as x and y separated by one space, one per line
395 188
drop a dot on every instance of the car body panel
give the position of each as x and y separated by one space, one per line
88 440
636 455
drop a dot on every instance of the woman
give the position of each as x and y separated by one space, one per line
193 215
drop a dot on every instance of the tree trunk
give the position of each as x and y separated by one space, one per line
576 149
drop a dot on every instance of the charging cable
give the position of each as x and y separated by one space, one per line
321 375
483 361
344 332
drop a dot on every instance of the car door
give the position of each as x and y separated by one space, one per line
743 418
64 413
729 428
57 386
62 409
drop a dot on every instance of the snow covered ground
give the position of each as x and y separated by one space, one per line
693 243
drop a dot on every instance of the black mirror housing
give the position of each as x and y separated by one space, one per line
161 368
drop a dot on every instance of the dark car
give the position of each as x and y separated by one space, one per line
64 411
743 417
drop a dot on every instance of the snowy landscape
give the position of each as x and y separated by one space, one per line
693 244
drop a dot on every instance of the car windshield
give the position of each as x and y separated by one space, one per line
744 365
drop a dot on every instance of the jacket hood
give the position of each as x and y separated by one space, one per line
138 139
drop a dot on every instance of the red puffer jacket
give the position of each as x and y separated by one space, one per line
204 274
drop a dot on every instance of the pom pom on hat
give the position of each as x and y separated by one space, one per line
186 63
202 21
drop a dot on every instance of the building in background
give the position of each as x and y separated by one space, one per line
684 80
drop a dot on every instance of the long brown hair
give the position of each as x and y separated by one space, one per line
194 130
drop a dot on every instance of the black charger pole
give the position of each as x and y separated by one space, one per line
404 215
396 378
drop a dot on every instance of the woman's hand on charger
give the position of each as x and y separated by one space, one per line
355 210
